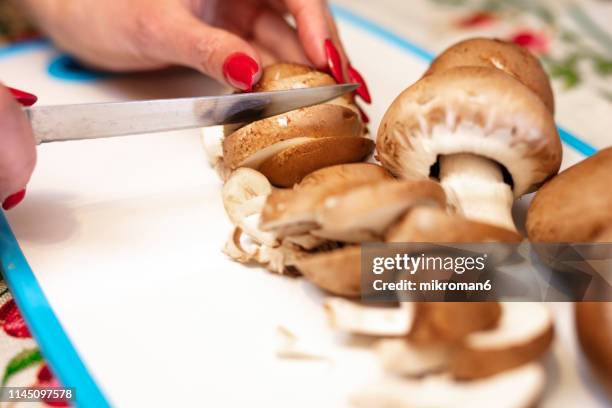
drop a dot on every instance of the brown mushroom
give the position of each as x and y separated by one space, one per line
286 147
586 186
513 59
357 217
490 138
293 212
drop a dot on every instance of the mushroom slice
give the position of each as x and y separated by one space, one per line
594 328
425 224
292 212
401 357
289 166
519 388
337 271
523 334
365 213
451 322
277 259
513 59
357 318
492 138
244 195
313 122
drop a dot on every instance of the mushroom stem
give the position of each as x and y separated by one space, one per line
475 186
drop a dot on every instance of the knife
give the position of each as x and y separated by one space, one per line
100 120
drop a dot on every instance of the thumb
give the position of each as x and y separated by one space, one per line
18 152
213 51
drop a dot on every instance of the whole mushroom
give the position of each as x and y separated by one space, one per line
511 58
588 219
487 137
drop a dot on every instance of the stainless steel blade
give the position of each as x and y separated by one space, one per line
99 120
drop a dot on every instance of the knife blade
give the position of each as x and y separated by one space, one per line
100 120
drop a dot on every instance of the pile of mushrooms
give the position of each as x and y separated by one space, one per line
451 354
287 147
456 149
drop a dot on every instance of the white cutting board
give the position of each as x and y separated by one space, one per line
124 237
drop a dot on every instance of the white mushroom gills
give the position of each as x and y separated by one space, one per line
475 186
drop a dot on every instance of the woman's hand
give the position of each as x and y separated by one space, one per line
226 39
17 150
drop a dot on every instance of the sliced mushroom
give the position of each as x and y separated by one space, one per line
289 166
337 271
293 212
513 59
491 137
244 195
364 214
451 322
519 388
286 147
356 318
594 328
278 259
523 334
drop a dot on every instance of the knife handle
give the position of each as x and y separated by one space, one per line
24 98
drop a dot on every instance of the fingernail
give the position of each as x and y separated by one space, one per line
14 199
240 70
334 61
364 116
355 76
24 98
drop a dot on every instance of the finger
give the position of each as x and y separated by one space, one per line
186 40
18 152
313 28
273 32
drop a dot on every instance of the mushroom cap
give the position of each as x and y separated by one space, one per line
471 110
337 271
594 327
426 224
268 143
289 166
357 216
504 55
290 212
576 205
325 120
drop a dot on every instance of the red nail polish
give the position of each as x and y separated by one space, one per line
334 61
24 98
14 199
355 76
240 70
